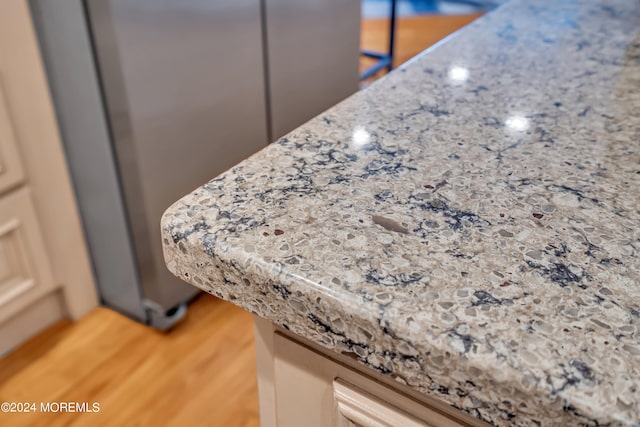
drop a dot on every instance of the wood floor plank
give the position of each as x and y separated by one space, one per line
13 363
158 398
92 341
229 383
151 378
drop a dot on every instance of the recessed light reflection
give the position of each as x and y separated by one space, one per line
458 74
360 136
517 123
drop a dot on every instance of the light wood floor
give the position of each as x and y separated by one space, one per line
200 374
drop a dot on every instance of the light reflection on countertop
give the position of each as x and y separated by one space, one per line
458 74
517 122
360 137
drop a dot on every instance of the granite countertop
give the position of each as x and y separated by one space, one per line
468 225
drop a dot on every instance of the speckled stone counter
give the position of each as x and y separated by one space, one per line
469 225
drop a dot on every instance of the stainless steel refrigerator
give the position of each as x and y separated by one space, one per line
155 97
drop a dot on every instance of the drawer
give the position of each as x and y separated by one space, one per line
25 271
357 408
11 172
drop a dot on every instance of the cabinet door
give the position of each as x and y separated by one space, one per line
10 167
25 272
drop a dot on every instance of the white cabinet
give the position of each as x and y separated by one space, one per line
44 269
299 386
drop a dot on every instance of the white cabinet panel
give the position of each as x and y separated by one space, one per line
25 273
11 172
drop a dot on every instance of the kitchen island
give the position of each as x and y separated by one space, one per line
465 230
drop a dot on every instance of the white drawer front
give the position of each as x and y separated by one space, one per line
356 408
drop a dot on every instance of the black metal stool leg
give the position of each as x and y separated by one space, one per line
384 60
392 33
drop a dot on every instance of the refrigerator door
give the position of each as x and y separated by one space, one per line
66 49
184 91
316 68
